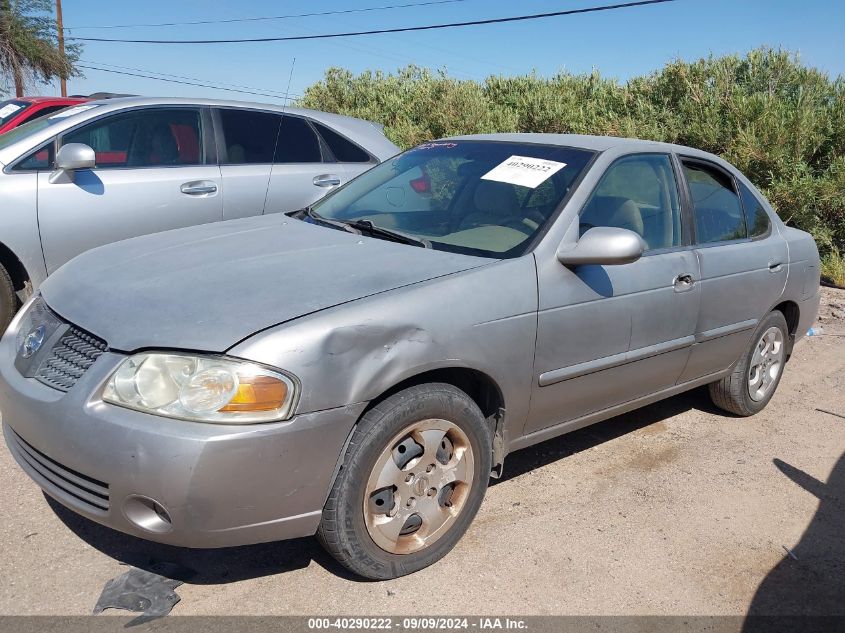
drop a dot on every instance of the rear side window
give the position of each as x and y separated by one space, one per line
298 142
757 220
716 205
344 150
250 136
144 138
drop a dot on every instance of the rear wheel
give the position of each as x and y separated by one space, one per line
412 480
752 383
8 299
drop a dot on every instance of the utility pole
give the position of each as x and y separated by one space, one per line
61 30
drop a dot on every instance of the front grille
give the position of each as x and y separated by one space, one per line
89 493
70 357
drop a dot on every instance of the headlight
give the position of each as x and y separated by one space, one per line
201 388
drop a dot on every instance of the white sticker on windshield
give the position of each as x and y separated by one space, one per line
6 110
524 171
61 114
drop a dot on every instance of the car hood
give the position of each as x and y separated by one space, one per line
208 287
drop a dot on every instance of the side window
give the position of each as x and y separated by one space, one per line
638 193
716 205
298 143
345 151
250 136
144 138
41 159
757 221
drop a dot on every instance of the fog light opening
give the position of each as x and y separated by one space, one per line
148 514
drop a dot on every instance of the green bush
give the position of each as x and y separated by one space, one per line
782 123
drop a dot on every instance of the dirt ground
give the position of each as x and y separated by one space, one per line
673 509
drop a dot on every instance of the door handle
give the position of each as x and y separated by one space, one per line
326 180
775 267
198 188
683 282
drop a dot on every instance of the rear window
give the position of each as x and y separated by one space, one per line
483 198
344 150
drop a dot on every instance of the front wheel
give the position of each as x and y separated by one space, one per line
754 379
8 299
412 480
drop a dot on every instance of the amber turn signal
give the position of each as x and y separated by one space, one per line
258 393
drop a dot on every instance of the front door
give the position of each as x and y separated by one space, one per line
150 176
611 334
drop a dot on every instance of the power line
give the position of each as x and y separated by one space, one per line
187 83
155 72
271 17
428 27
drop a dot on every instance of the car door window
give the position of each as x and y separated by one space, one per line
250 136
40 159
716 206
298 143
344 150
757 221
638 193
144 138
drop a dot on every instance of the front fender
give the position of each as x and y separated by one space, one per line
483 319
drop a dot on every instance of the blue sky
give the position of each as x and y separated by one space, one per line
620 43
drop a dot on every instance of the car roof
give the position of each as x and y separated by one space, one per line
57 100
589 142
122 102
366 133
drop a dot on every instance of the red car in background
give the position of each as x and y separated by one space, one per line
15 112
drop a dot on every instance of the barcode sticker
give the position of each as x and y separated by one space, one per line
524 171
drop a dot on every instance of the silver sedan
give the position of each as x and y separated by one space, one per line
103 171
359 368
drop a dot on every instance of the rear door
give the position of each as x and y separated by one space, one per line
303 168
352 158
743 266
246 144
153 173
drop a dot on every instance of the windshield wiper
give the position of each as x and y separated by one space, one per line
379 231
363 226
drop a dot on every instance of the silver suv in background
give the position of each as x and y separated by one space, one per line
108 170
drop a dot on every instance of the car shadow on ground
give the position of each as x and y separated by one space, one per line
527 459
231 564
810 579
199 566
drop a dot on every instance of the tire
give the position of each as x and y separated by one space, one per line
738 392
406 426
8 299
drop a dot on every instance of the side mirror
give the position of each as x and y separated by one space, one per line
605 245
71 157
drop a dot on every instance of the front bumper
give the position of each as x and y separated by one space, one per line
219 485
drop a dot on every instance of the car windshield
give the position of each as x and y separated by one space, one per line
10 109
485 198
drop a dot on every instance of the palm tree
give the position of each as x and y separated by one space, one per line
29 44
